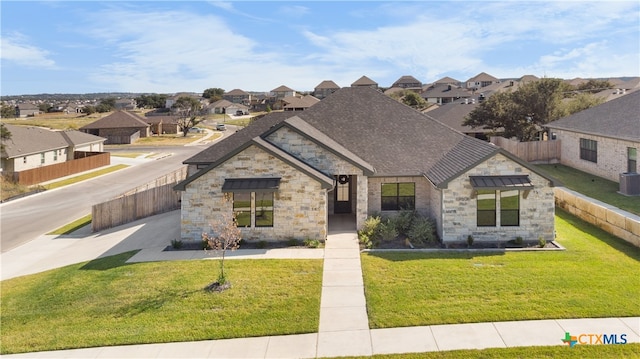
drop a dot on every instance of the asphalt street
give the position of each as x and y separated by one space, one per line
25 219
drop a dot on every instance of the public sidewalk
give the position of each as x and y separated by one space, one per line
343 327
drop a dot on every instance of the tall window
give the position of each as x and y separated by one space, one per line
242 208
42 158
509 208
632 160
486 207
589 150
398 196
253 208
264 209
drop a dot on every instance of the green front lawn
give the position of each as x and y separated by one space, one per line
593 186
597 276
107 302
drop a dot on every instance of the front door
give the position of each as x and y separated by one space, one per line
342 194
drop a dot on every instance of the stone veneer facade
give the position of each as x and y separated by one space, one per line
458 215
300 204
612 154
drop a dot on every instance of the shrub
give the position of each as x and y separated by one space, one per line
204 244
542 242
261 244
422 231
176 243
370 227
403 221
312 243
386 231
518 241
469 240
292 242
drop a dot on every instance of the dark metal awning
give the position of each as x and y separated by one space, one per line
517 182
251 185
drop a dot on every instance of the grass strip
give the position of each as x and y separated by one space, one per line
592 186
110 302
73 226
126 154
85 176
595 277
629 350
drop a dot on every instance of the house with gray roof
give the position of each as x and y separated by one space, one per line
324 89
408 82
298 103
364 81
481 80
33 147
238 96
120 127
603 140
355 154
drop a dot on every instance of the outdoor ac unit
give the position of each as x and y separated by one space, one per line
630 184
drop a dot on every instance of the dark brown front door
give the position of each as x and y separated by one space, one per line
342 194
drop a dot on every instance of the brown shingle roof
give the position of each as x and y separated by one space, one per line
327 84
389 136
364 81
118 119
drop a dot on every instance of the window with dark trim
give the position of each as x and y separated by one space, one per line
264 209
398 196
486 208
589 150
510 208
242 208
253 209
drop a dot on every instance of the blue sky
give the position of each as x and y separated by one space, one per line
168 47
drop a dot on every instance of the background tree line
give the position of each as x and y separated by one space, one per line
523 112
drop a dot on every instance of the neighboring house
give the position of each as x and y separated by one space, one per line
408 83
238 96
27 110
120 127
445 93
324 89
453 115
32 147
127 104
603 140
282 92
481 80
170 101
160 125
364 81
298 103
358 153
225 106
448 81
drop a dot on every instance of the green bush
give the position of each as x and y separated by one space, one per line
422 231
469 240
386 231
176 243
312 243
262 244
542 242
518 241
292 242
403 221
370 226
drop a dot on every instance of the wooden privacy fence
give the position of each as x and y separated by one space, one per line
155 197
83 161
534 151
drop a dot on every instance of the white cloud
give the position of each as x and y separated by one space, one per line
15 48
